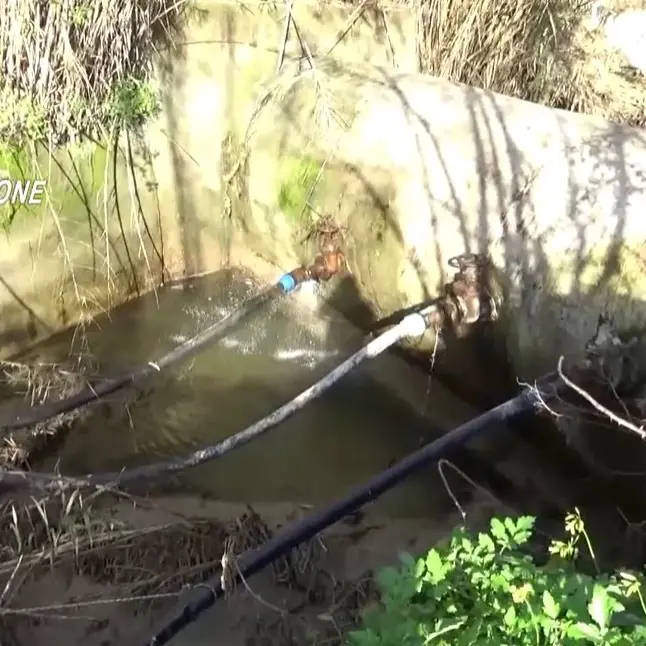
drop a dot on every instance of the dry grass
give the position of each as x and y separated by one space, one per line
37 384
537 50
73 534
73 67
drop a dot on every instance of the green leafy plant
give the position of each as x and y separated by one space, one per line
486 590
133 102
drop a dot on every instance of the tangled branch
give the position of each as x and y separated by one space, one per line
623 423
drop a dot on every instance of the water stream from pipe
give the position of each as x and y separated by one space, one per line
355 430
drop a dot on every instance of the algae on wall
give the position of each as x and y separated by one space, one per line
298 181
100 236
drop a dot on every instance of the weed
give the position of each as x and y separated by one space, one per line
485 589
84 71
132 103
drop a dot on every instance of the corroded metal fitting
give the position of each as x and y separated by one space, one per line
330 262
468 297
300 274
327 265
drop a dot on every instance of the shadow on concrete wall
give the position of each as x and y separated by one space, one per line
525 253
27 324
172 73
86 225
525 258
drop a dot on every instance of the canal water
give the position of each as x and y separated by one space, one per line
369 419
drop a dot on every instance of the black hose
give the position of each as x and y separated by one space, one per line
38 414
51 481
253 561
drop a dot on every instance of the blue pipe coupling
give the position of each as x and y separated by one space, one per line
287 284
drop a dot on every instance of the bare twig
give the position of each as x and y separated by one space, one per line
352 19
446 463
285 37
623 423
63 80
541 399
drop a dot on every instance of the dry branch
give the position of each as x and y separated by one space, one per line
621 422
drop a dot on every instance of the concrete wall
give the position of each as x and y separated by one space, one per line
84 249
416 169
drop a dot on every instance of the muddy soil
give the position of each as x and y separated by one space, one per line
75 604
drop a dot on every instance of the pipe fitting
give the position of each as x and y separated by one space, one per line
327 264
414 325
298 276
468 297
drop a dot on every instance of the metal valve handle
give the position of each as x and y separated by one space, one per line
466 260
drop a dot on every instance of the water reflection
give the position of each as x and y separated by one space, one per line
353 431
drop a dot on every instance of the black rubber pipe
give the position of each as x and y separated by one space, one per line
412 325
253 561
90 394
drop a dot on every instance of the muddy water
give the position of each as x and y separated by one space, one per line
353 431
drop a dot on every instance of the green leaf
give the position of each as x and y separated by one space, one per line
510 616
550 607
467 545
434 565
420 568
498 530
389 578
525 523
599 608
407 560
486 543
510 526
581 630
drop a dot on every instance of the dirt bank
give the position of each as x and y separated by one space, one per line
116 590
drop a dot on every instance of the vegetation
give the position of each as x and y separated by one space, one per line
485 589
85 70
298 181
538 50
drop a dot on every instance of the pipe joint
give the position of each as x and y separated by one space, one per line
468 297
327 264
414 325
289 282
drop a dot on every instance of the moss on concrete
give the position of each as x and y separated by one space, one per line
300 182
56 256
74 182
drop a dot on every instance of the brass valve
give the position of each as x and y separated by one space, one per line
330 261
468 296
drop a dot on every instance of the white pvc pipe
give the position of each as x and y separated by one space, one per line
413 325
